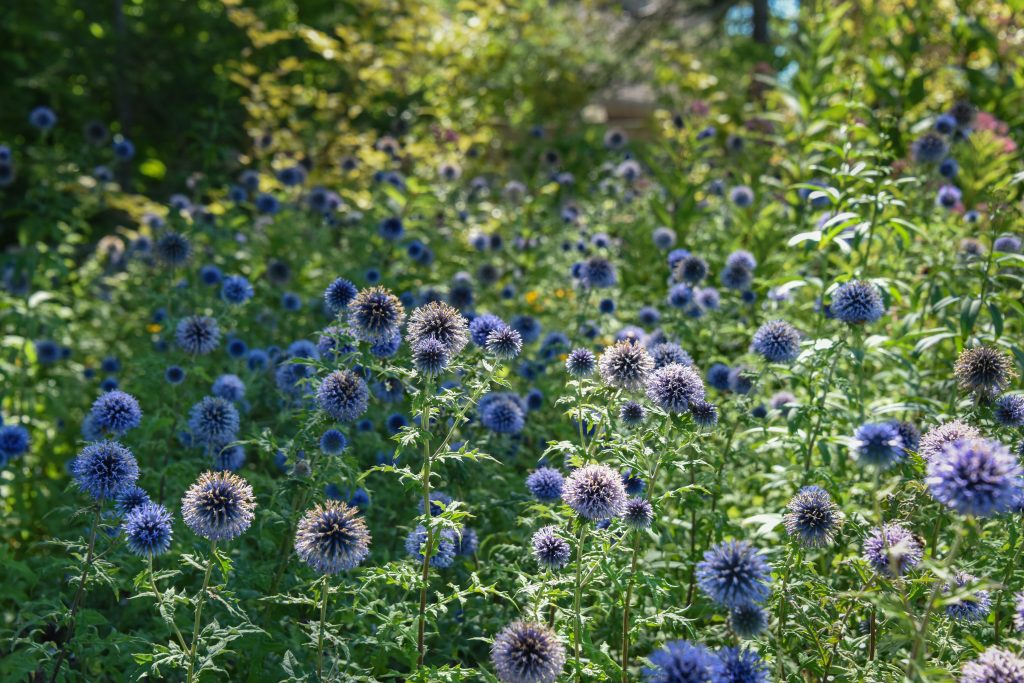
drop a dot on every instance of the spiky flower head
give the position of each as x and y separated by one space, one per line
505 342
173 250
625 365
994 665
856 302
667 353
1009 410
546 484
748 621
598 272
343 395
375 314
595 492
878 444
639 513
580 363
14 440
333 442
443 556
116 412
937 438
734 573
430 357
213 421
440 322
813 519
332 537
338 295
197 335
974 606
482 326
502 412
147 530
105 469
549 549
680 661
704 414
675 387
777 341
739 666
892 547
632 413
131 498
526 652
984 371
219 506
976 477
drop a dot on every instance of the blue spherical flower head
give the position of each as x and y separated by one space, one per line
505 343
375 314
338 295
267 203
674 387
502 412
929 149
230 458
430 357
856 302
638 514
718 376
972 606
526 652
147 530
777 341
482 326
333 442
733 573
595 492
527 326
734 665
391 228
598 272
1009 410
197 335
878 444
219 506
236 290
213 421
748 621
42 118
663 237
984 371
443 556
632 414
994 665
173 250
229 387
124 149
545 484
625 365
549 549
47 351
105 469
892 548
976 477
680 661
343 395
813 519
130 498
690 269
667 353
14 441
704 414
580 363
440 322
948 196
937 438
742 196
332 537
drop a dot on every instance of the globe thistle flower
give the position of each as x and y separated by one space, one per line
598 272
505 343
680 661
525 652
974 606
741 380
219 506
230 458
42 118
878 444
213 421
890 547
813 519
430 357
929 149
391 228
994 665
633 483
549 549
625 365
679 296
502 412
639 513
690 269
440 322
738 666
736 278
748 621
338 295
1009 410
580 363
595 492
130 498
718 376
375 314
975 477
1008 244
663 237
856 302
984 371
777 341
632 413
14 441
545 484
229 387
105 469
147 530
343 395
481 327
909 434
333 442
675 387
235 289
742 196
733 573
197 335
332 537
668 353
704 414
443 556
173 250
937 438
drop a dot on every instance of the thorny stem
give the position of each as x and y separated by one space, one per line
160 602
77 601
325 591
429 542
200 600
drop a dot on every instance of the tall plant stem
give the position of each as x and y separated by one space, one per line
576 598
325 591
200 600
160 602
429 542
626 606
790 561
77 601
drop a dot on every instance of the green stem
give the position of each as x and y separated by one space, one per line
626 605
325 591
782 611
77 601
429 541
160 602
576 598
200 600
